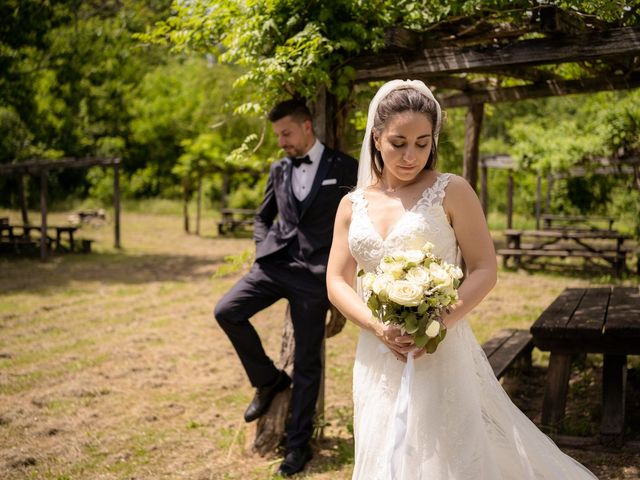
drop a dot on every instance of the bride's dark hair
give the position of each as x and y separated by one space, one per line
399 101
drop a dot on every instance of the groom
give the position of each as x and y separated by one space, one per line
293 233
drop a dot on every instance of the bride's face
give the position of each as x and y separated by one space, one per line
405 144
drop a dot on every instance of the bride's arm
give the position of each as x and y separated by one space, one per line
472 233
341 272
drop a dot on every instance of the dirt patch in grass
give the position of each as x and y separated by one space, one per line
112 367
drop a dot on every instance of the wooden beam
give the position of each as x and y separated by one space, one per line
38 165
551 88
497 161
539 51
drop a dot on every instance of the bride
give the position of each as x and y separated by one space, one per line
426 416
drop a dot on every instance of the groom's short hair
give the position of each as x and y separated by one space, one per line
294 108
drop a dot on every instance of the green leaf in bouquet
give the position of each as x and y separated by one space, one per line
411 323
383 296
420 340
432 345
373 303
389 317
422 324
361 272
442 334
422 308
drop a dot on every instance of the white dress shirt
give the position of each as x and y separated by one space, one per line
302 177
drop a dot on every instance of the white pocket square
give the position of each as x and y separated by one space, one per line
330 181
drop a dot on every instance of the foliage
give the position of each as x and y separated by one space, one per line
293 47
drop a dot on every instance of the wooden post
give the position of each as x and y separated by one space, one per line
547 202
472 125
323 118
116 205
538 200
484 194
555 393
510 200
43 213
23 200
614 381
329 119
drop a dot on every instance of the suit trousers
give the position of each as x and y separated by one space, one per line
270 279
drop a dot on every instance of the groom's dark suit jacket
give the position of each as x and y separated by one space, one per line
281 218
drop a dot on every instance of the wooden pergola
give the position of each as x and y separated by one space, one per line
41 168
470 61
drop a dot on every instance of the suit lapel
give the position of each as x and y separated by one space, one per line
287 186
325 163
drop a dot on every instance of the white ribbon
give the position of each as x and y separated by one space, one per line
400 422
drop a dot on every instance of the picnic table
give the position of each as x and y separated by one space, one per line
529 245
231 218
602 320
5 226
59 232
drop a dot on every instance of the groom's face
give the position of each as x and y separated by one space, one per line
295 137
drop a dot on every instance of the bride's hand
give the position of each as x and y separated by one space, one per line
400 344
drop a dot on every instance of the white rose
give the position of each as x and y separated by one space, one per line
405 293
439 275
367 281
392 267
433 329
381 282
427 247
413 256
454 271
419 276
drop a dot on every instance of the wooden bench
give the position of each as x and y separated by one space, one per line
575 222
231 218
506 347
85 245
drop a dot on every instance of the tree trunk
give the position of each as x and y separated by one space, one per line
199 205
116 205
185 209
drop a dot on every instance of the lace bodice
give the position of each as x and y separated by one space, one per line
426 221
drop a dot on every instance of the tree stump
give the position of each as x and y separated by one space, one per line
270 428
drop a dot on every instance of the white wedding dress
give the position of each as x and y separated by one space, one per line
452 420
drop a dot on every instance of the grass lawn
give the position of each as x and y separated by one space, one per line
112 367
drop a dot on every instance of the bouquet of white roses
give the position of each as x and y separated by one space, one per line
410 289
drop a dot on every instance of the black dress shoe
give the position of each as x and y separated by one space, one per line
262 399
294 461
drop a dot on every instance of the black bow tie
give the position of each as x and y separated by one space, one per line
299 161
